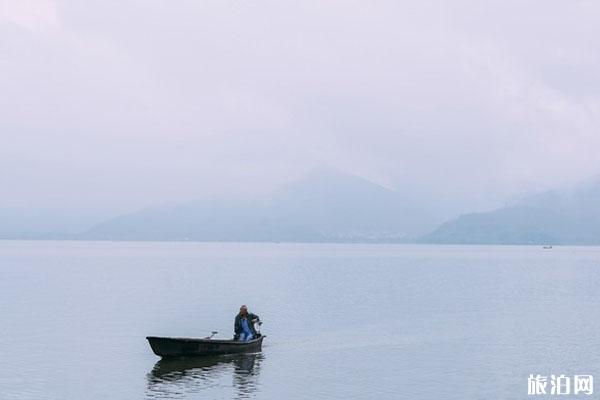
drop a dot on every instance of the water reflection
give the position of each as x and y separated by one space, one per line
176 378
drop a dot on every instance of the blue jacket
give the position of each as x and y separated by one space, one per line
237 328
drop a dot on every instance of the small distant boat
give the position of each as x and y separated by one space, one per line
546 247
183 347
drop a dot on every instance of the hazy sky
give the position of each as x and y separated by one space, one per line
116 105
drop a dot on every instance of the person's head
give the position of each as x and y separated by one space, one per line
243 310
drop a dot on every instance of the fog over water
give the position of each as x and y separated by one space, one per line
342 321
108 107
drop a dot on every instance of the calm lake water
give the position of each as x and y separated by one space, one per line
342 321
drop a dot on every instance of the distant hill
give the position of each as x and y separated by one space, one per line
324 207
553 217
327 206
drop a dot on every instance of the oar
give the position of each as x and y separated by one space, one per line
213 334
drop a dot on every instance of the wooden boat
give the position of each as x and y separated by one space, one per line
182 347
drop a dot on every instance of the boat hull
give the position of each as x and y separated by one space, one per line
182 347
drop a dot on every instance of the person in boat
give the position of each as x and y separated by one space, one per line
244 325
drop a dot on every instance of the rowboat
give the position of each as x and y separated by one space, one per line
182 347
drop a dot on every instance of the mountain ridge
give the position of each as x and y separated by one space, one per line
323 207
550 217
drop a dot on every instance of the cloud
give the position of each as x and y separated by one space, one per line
34 15
130 103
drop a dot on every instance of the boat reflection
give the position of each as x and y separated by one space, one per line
177 378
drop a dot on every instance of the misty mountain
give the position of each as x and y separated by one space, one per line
553 217
325 206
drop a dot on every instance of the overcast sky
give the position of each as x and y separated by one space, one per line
116 105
